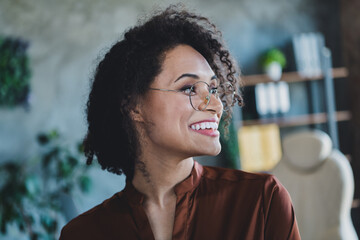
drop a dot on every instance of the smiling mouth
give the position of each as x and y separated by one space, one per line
204 125
206 128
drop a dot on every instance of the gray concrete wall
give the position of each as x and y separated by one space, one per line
68 36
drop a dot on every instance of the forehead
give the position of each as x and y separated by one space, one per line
185 59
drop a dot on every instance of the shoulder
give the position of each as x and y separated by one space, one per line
255 192
239 176
260 185
88 224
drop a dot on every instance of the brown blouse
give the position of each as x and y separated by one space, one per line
212 203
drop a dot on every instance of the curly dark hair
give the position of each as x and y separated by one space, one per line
131 65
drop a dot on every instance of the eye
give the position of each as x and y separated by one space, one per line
188 89
214 90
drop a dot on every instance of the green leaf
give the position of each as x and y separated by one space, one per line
273 55
85 183
21 187
50 156
49 224
32 185
15 71
35 236
65 169
72 161
3 227
53 134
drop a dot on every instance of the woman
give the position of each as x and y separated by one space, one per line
156 102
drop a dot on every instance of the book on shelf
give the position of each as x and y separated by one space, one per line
272 98
260 147
307 51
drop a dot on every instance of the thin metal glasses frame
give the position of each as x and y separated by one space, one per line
207 98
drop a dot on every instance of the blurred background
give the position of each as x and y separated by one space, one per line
49 50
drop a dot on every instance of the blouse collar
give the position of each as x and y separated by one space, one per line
187 185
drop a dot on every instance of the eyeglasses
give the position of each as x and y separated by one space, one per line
199 94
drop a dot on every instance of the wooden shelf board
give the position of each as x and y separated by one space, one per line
252 80
299 120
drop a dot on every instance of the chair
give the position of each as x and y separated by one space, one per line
321 184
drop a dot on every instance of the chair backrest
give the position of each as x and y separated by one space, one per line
321 185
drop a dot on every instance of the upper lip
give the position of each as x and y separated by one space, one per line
206 120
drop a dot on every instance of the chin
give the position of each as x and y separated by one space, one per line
211 151
216 151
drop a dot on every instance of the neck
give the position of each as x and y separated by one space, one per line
156 178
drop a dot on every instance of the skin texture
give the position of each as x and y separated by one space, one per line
168 143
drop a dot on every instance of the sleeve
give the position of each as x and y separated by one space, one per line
71 232
280 220
80 228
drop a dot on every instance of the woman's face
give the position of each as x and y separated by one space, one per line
171 124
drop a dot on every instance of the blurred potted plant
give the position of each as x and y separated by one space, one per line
31 192
14 71
229 143
273 62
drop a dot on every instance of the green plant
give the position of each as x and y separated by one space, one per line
30 190
230 146
273 55
14 71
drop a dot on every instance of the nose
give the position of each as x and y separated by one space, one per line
215 105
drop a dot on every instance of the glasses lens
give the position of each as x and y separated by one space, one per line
200 96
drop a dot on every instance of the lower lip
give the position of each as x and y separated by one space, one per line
207 132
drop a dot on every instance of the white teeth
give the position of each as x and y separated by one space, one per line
214 125
205 125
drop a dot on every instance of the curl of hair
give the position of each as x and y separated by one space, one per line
130 66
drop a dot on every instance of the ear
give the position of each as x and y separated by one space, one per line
136 114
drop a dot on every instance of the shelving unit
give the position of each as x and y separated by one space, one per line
307 119
330 117
300 120
319 89
290 77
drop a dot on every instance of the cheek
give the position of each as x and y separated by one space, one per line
167 114
176 117
173 106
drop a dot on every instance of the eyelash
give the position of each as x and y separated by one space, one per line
188 87
216 90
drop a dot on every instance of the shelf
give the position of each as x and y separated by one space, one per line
252 80
299 120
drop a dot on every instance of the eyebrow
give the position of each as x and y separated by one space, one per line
193 76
